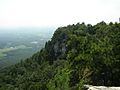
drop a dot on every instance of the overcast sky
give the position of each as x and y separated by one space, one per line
43 13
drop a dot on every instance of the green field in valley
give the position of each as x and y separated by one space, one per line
6 50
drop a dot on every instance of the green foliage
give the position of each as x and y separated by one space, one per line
76 55
61 80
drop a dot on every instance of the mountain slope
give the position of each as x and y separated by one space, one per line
76 55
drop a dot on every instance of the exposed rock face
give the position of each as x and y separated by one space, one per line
59 48
63 50
90 87
56 48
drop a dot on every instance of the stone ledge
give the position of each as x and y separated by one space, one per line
90 87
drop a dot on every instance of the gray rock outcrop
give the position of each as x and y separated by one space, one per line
90 87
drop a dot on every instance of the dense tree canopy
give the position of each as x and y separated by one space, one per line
76 55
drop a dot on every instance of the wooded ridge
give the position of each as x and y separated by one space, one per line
76 55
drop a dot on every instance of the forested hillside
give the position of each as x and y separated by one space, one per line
76 55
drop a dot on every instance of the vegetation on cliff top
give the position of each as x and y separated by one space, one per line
76 55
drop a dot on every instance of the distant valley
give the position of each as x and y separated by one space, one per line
21 43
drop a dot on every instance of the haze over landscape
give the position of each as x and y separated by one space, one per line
59 44
21 43
56 13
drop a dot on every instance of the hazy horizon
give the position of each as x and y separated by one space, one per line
27 29
56 13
